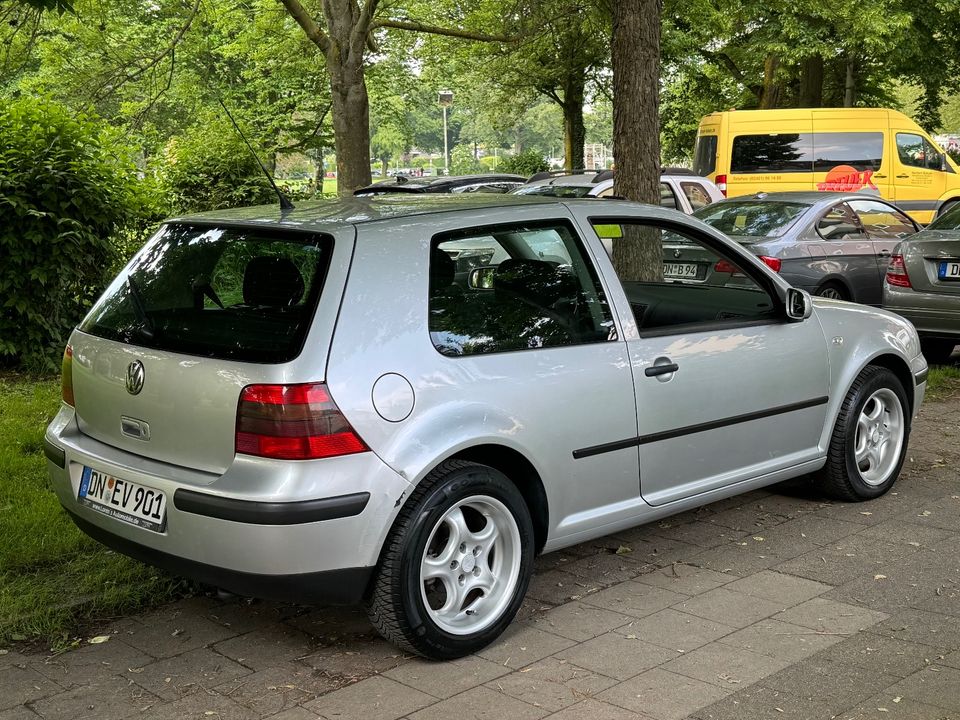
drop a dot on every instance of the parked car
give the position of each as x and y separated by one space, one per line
315 404
834 245
679 189
871 150
923 285
488 183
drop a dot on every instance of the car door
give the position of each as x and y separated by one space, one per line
918 180
886 226
843 248
726 388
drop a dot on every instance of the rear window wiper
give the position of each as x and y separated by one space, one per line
136 298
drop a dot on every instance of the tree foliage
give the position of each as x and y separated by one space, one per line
68 188
526 163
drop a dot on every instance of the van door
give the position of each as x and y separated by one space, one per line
851 160
919 179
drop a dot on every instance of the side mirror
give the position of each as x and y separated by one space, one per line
481 278
799 305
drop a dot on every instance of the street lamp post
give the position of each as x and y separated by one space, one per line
445 98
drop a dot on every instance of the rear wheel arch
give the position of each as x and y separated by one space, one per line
946 205
836 283
521 473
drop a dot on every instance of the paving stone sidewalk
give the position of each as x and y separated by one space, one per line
769 605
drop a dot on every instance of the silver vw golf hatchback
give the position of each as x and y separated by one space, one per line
399 401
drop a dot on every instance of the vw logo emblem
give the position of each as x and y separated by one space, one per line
135 377
676 252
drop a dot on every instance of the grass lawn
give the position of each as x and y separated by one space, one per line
943 382
54 580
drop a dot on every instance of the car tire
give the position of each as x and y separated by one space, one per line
832 290
456 564
869 441
937 352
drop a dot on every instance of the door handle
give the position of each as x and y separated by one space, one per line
878 175
883 253
655 370
903 176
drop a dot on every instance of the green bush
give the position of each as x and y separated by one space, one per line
526 163
211 168
68 188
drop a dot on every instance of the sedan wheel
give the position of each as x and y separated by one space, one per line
870 437
831 291
457 563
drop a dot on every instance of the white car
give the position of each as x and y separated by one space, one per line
680 189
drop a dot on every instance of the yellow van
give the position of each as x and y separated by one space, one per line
877 151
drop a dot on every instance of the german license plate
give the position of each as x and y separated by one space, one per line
124 500
681 270
949 270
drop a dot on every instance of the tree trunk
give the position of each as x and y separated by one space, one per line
850 85
811 82
351 129
574 133
771 88
635 50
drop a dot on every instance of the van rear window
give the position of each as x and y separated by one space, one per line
215 291
806 152
705 155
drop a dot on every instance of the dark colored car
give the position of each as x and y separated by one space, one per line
488 183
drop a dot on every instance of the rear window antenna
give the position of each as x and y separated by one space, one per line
285 203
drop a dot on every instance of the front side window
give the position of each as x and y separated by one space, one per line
674 281
916 151
223 292
751 218
840 223
773 153
882 220
514 287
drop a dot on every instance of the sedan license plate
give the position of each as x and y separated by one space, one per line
949 270
123 500
689 271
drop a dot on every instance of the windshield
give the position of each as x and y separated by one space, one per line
560 191
757 218
950 220
220 292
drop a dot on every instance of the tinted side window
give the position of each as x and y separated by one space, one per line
673 280
511 287
667 197
840 223
915 151
861 151
881 220
786 152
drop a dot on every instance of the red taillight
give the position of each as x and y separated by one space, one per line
725 266
721 183
897 272
771 262
293 422
66 377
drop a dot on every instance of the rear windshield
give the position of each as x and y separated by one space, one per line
757 218
559 191
950 220
705 155
234 293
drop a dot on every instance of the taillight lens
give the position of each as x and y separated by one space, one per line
721 183
66 377
897 272
293 422
725 266
771 262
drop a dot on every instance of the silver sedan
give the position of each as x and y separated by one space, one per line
923 285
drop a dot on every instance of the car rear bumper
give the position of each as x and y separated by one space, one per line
307 530
930 313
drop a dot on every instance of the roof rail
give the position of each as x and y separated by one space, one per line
676 171
547 174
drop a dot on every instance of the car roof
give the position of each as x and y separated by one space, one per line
326 215
802 197
429 181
